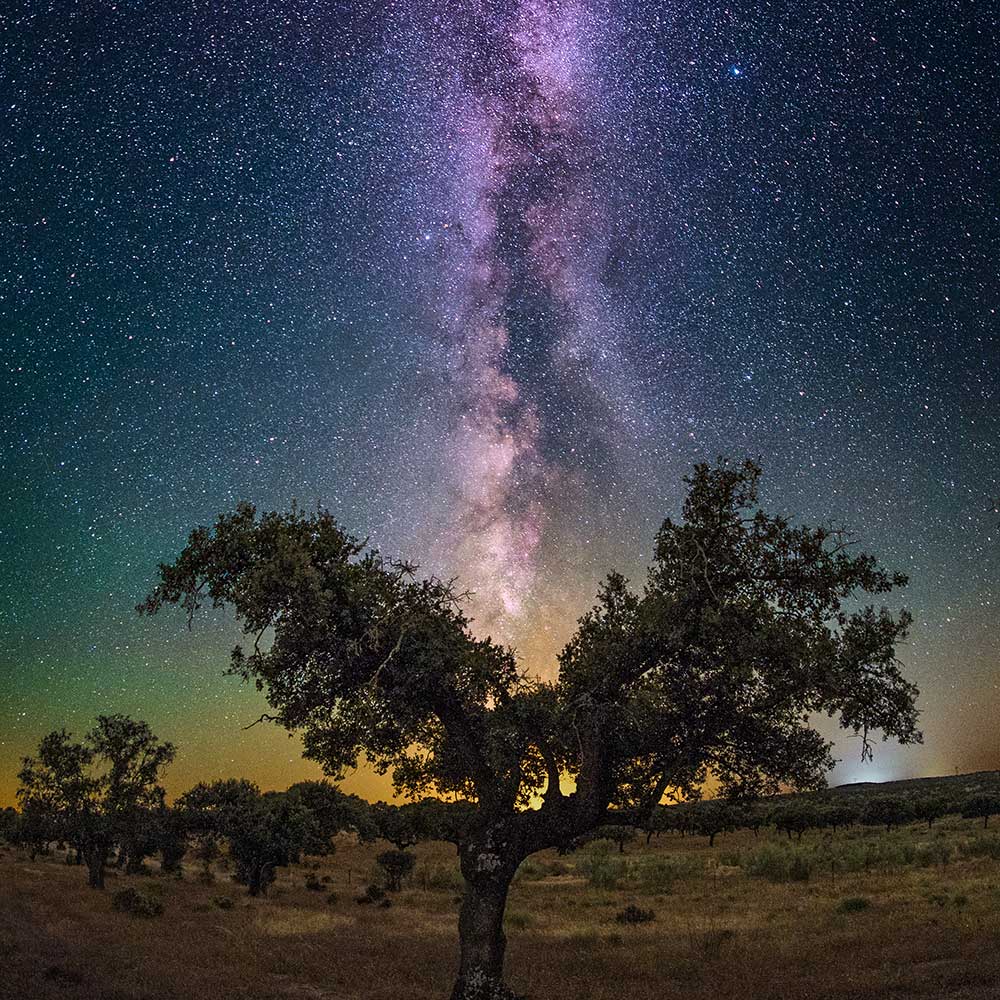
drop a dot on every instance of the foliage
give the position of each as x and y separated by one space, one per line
929 808
981 806
396 865
747 624
602 869
98 793
264 832
795 816
712 818
332 812
887 811
137 903
854 904
633 914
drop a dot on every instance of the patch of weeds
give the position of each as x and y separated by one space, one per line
602 869
373 894
518 920
56 973
854 904
331 900
633 914
313 884
557 868
136 903
223 902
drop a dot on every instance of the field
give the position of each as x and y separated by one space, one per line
908 926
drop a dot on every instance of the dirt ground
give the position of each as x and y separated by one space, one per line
718 931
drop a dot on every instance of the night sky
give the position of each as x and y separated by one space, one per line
485 279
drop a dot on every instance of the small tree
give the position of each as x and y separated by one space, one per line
886 810
396 865
95 793
401 825
981 806
711 818
795 817
929 808
9 821
171 837
838 814
263 832
742 630
332 812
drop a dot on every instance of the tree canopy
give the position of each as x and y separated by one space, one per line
746 625
92 793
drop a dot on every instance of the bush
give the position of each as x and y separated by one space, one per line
373 894
937 852
136 903
222 902
313 884
602 869
658 874
981 846
780 864
396 865
633 914
446 879
854 904
331 899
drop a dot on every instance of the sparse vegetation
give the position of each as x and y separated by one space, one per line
720 929
137 902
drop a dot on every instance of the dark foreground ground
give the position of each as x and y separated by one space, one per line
921 929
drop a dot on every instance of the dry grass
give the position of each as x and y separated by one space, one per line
929 932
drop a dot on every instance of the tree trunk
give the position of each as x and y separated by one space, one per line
97 856
482 941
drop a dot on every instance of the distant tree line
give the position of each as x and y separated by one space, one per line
100 800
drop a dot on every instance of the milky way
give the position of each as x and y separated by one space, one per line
530 329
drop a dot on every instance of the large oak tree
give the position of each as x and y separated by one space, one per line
746 626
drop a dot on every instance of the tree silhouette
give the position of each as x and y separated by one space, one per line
741 630
264 832
99 792
981 806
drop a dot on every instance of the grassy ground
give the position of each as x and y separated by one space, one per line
718 932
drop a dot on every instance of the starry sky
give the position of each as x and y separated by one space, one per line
485 279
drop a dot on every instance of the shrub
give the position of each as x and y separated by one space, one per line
981 846
136 903
373 894
445 879
518 920
331 899
633 914
222 902
854 904
313 884
982 807
396 865
658 874
601 868
775 863
936 852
